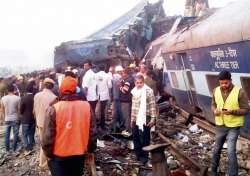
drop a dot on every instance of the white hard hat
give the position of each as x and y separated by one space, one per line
75 71
118 68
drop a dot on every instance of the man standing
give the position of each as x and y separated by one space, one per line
229 105
68 132
89 85
125 96
118 121
104 84
27 118
143 117
42 101
10 104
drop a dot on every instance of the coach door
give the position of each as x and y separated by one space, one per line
188 81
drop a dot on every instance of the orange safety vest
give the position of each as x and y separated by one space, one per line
72 128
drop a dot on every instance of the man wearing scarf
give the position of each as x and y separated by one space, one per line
143 117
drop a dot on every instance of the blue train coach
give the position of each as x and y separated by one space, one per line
195 55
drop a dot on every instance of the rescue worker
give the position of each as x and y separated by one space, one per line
143 117
68 132
229 105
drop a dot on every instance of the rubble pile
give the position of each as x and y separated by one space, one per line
21 164
116 159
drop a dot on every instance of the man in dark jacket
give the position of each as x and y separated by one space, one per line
68 132
27 118
125 96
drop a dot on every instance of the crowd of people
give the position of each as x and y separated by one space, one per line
61 108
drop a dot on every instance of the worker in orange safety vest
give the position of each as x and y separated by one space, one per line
68 132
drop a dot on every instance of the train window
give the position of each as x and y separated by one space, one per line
212 82
190 79
174 79
245 82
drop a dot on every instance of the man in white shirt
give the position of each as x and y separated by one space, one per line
104 84
89 85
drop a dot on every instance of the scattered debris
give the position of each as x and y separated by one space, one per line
100 143
114 155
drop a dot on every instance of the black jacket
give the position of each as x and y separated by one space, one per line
26 109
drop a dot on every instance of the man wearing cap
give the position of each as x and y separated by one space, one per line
42 101
229 105
68 132
89 85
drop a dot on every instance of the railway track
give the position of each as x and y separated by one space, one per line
195 164
195 168
205 125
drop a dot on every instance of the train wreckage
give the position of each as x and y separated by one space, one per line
122 41
190 49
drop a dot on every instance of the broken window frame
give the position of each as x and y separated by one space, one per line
190 79
174 79
212 82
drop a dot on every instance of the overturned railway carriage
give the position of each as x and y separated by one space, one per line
194 56
120 42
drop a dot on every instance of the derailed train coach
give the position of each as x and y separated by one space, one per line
120 42
194 56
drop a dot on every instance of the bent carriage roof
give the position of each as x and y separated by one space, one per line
227 25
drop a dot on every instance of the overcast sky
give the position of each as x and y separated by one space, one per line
30 29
